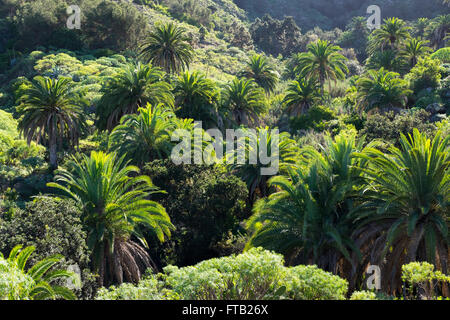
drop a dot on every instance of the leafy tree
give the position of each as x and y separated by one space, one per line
196 96
42 279
144 136
413 49
245 101
114 205
323 62
204 202
132 87
50 111
390 36
405 215
382 90
167 47
310 216
259 69
301 95
260 144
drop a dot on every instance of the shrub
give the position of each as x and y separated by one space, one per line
315 118
14 284
425 74
256 274
363 295
421 276
442 54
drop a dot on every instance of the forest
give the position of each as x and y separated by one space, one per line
120 177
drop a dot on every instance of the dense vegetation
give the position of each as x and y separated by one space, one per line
94 206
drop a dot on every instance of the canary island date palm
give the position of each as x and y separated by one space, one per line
405 215
245 100
391 35
167 47
50 113
382 90
259 69
115 206
310 218
196 98
437 31
44 281
131 88
260 145
413 49
301 95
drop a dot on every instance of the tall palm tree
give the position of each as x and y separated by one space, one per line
51 111
259 69
245 100
323 62
114 203
381 90
301 95
144 136
390 36
413 49
196 96
310 217
131 88
405 216
438 30
167 47
43 285
260 143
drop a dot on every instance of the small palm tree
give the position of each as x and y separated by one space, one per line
259 69
260 144
144 136
323 62
381 90
405 216
114 203
196 96
245 100
310 217
131 88
51 111
413 49
301 95
167 47
390 36
43 280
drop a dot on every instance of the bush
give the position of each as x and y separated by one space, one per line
53 227
426 74
421 276
442 54
315 118
203 203
363 295
256 274
14 284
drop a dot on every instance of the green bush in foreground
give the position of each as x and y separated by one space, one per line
256 274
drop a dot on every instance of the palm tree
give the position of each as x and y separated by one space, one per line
43 281
301 95
413 49
437 31
167 47
131 88
310 217
114 203
195 95
322 61
390 36
51 111
387 59
259 69
260 144
245 100
381 90
405 214
144 136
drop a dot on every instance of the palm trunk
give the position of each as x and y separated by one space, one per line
53 153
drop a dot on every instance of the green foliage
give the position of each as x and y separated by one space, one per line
316 118
390 36
422 275
426 74
363 295
256 275
203 202
301 95
39 283
113 206
259 69
52 227
167 47
442 54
